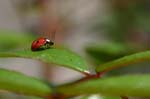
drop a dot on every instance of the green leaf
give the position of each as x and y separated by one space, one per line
129 85
124 61
22 84
57 56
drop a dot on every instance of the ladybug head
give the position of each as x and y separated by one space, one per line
41 44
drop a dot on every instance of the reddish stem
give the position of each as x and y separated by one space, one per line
56 96
90 76
87 77
124 97
99 74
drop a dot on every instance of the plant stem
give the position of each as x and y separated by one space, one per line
56 96
124 97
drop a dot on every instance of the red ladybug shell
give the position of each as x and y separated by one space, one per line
38 43
41 44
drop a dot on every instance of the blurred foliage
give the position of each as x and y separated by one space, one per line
127 17
108 51
16 82
127 85
11 40
127 28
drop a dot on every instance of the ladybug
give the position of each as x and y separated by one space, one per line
41 44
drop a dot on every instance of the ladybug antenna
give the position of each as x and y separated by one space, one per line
53 35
